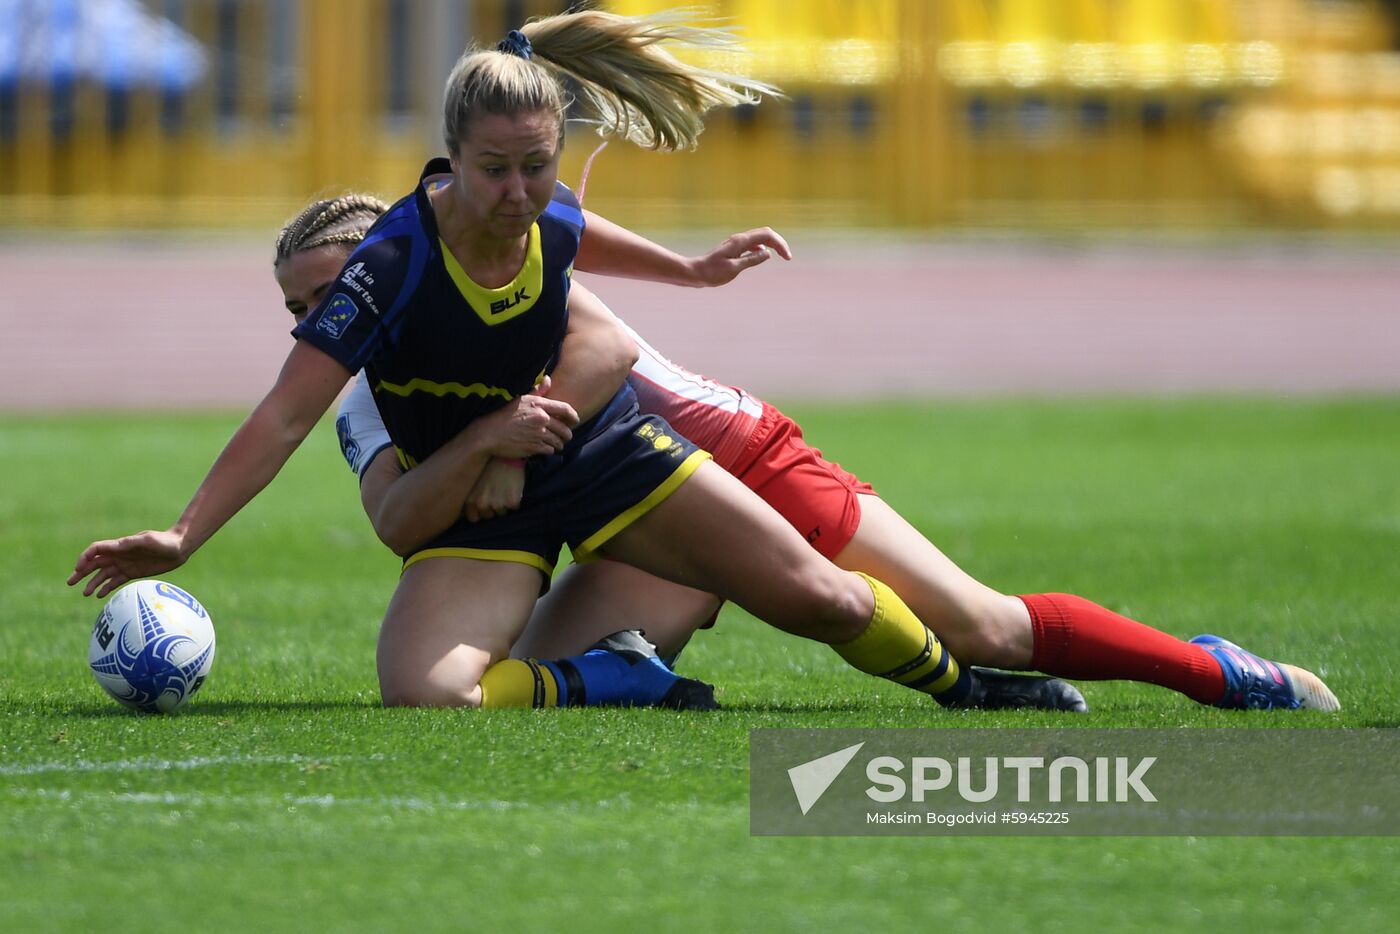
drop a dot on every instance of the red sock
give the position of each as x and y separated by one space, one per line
1075 638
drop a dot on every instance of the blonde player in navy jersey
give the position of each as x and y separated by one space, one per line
456 305
589 600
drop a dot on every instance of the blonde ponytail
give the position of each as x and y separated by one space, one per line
627 79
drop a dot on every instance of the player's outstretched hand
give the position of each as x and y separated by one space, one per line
739 252
497 491
116 561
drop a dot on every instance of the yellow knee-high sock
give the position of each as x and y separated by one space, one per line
518 682
897 646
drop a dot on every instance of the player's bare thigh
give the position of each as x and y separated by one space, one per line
449 620
979 625
715 533
589 601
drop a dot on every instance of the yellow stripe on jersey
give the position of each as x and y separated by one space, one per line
585 551
483 554
496 306
418 384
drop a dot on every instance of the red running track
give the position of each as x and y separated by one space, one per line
151 325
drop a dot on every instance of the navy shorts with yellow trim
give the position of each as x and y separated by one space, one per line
618 466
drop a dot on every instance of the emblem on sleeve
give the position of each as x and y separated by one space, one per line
337 316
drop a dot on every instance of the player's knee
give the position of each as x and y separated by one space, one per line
828 605
851 610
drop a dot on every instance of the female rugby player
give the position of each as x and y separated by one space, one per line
310 252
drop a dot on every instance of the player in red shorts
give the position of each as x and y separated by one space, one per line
842 517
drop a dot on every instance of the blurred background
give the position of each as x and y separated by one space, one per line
951 146
901 113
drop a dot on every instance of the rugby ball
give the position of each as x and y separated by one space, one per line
152 646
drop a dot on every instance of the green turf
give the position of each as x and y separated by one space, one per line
284 798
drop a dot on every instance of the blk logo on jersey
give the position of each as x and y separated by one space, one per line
337 316
506 304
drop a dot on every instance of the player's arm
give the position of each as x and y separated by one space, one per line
594 361
307 385
608 249
478 474
596 356
409 508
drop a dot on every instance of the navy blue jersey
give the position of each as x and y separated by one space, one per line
438 349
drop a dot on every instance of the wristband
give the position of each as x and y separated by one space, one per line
518 462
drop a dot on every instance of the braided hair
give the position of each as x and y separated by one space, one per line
322 223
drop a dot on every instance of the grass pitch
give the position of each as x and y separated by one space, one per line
285 798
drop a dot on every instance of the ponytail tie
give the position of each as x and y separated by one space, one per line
516 43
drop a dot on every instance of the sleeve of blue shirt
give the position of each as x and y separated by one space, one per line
369 295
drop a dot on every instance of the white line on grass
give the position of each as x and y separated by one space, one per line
162 765
196 799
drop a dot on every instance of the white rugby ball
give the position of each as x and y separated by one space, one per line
152 646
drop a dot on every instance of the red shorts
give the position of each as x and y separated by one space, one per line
813 494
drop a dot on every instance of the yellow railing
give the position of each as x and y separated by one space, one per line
910 113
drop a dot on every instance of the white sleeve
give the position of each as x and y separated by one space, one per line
360 428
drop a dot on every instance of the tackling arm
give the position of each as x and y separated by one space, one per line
407 509
596 356
472 474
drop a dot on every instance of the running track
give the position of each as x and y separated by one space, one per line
155 325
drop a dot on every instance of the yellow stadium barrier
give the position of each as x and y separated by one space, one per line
898 113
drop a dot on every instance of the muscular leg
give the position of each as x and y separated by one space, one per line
714 533
979 625
589 601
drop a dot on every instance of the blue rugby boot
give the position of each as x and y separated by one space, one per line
1254 683
651 683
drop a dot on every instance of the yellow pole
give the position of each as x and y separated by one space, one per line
337 97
